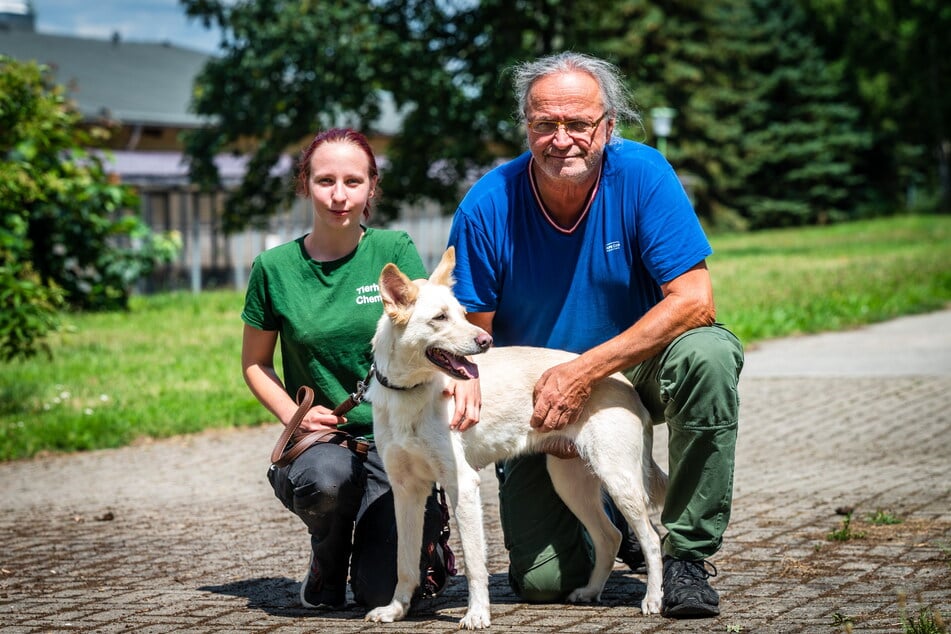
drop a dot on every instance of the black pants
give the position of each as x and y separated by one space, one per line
347 505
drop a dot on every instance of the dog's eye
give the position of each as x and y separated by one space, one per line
441 317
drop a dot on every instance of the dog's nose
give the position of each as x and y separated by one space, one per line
484 341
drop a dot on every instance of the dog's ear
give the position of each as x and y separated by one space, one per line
398 293
443 271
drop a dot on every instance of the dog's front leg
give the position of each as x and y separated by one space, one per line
409 501
467 509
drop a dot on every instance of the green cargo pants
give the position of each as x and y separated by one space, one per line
692 386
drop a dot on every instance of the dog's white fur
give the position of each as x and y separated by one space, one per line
411 426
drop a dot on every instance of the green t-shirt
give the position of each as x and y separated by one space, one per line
326 313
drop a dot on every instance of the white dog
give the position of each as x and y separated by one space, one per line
418 348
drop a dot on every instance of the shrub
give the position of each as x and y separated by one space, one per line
68 235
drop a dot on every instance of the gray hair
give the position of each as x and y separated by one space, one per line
615 95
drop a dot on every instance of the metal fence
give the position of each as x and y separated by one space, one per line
430 234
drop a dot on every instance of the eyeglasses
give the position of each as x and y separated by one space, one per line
574 128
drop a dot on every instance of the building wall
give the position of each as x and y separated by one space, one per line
146 138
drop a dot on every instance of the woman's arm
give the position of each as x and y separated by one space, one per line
257 363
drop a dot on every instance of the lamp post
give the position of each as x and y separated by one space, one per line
662 121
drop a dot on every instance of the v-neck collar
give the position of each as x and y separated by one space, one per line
548 215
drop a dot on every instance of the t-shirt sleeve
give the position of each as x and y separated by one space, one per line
477 280
670 236
258 311
406 257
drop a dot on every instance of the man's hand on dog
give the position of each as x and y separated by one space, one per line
559 396
468 398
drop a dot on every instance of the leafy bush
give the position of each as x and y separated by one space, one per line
68 234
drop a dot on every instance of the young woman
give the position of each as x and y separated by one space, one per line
318 296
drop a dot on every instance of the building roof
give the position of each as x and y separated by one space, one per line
139 83
148 83
133 82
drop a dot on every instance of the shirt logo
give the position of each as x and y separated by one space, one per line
612 246
368 294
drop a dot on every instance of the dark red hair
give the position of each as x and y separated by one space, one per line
334 135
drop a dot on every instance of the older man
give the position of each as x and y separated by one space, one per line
588 243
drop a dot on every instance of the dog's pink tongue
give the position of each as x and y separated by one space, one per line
463 365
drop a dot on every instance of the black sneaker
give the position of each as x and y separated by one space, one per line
630 553
314 595
686 591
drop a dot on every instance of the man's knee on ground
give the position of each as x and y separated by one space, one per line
549 554
544 583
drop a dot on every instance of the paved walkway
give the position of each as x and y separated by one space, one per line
184 534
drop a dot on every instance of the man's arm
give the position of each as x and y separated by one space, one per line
482 320
562 391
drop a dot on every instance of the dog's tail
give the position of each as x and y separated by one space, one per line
655 479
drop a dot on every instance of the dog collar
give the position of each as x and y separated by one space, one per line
385 382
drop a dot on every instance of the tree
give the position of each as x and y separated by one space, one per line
455 87
676 55
64 237
892 58
802 138
764 131
287 68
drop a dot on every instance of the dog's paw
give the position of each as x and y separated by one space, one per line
651 604
475 620
585 595
387 613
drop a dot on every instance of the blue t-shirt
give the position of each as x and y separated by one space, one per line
574 289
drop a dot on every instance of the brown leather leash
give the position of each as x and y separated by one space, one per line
282 455
292 442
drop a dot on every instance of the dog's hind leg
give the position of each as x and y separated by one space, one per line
630 496
466 503
581 492
409 501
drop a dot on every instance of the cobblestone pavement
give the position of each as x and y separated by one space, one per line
185 535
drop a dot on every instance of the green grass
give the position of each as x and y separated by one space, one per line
927 620
780 283
845 532
882 517
171 365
